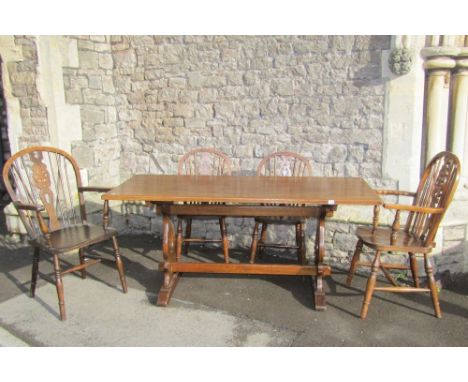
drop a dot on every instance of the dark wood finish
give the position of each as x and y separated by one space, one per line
252 269
435 192
42 183
203 161
283 163
242 196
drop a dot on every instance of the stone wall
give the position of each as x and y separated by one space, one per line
23 78
146 100
91 87
320 96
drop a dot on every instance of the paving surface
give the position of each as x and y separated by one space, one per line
210 310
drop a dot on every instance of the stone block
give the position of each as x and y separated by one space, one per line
106 61
173 122
195 123
177 82
124 59
89 60
283 87
183 110
84 155
208 95
214 81
92 115
168 95
224 109
95 82
108 85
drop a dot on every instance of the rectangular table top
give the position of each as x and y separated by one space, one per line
245 189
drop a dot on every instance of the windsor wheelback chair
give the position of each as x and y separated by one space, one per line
432 198
44 184
202 161
282 163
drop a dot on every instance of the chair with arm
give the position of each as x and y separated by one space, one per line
202 161
431 200
44 184
282 163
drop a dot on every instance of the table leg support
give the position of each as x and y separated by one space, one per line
319 293
169 254
165 293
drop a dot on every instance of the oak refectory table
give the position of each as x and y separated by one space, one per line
242 196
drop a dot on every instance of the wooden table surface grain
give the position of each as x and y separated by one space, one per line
245 189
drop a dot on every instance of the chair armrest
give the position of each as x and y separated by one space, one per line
37 209
94 189
28 207
404 207
396 193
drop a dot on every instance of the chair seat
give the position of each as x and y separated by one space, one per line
286 220
70 238
380 239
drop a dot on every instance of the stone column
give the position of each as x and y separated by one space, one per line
10 52
403 115
438 65
459 111
55 53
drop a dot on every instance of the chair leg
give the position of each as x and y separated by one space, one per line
35 271
432 286
82 261
59 287
370 285
254 245
300 243
354 262
414 269
119 264
263 237
179 239
222 227
188 233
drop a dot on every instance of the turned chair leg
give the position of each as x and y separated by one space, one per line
222 227
119 264
254 245
82 262
262 241
370 285
300 243
432 286
35 271
354 262
414 269
188 234
59 287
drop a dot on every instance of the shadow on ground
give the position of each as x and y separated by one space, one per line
282 302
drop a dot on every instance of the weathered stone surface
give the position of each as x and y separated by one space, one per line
146 100
89 60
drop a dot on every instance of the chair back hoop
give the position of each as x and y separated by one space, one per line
284 163
436 189
205 161
47 178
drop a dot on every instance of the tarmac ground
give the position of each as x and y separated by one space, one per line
211 310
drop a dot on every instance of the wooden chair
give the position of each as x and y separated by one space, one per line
431 200
202 161
282 163
44 183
